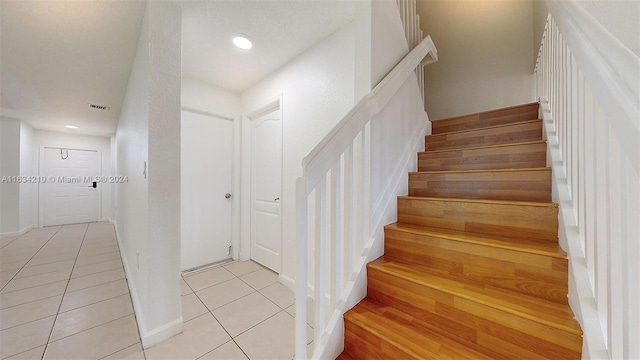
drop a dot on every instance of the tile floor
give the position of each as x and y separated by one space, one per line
64 295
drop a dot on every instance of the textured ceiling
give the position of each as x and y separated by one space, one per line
58 56
280 30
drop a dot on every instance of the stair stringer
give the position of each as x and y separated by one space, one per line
384 210
581 299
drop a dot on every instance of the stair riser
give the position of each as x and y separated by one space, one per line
481 137
531 274
491 158
497 117
361 344
515 220
482 323
522 185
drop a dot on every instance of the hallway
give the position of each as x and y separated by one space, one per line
64 290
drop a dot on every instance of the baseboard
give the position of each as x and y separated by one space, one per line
581 297
152 337
19 232
384 210
161 333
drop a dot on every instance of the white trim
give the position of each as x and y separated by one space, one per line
148 337
274 103
161 333
205 113
19 232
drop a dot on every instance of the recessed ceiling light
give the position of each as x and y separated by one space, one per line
242 42
71 126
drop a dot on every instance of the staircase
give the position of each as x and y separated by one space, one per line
472 269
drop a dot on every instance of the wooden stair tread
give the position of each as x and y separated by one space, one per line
503 242
483 201
486 127
411 336
479 171
545 312
484 147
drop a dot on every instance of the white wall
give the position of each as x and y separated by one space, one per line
148 207
28 191
485 55
86 142
9 166
317 90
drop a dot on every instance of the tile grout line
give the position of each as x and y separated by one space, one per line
17 237
254 291
65 291
31 258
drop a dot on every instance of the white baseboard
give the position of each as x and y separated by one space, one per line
19 232
155 336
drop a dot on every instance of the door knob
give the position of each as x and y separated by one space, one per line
227 196
276 199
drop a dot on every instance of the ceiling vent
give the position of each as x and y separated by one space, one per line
99 107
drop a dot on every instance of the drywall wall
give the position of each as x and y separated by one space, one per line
9 166
485 55
388 44
28 190
148 152
620 17
199 95
46 138
317 90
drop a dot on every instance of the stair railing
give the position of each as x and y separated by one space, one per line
335 184
414 35
589 88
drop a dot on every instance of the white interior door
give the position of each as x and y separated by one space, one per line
266 187
206 177
68 198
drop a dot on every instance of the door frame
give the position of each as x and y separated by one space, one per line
236 175
41 173
275 103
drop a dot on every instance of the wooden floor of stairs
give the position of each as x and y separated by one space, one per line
472 269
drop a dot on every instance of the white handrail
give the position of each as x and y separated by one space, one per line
319 160
610 67
589 89
338 171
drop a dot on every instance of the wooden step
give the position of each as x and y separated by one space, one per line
516 219
503 184
486 118
491 135
530 267
531 154
376 331
512 324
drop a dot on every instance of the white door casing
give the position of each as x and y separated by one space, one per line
266 188
206 177
66 196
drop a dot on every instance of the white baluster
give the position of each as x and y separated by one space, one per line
335 234
614 240
320 258
348 210
302 251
